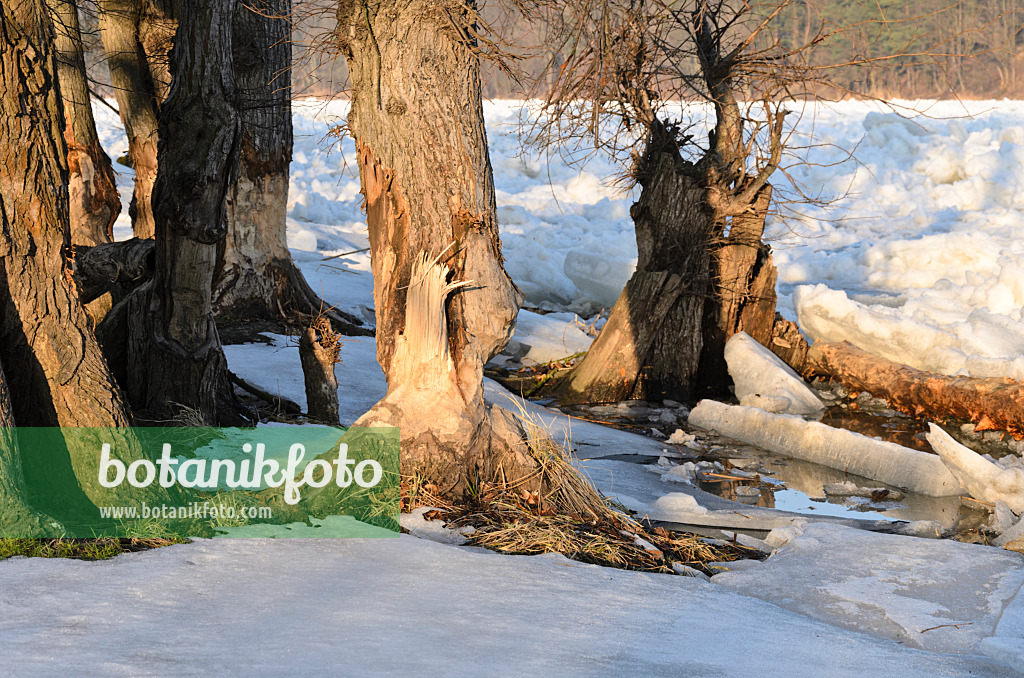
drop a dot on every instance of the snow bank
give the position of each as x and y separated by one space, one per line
978 343
407 606
756 371
937 595
836 448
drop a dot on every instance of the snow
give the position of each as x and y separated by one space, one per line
982 478
931 594
410 606
920 259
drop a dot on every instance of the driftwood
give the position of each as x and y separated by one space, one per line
993 404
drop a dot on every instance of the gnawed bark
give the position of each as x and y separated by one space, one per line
173 357
417 116
743 293
318 352
137 102
650 346
94 201
256 276
991 403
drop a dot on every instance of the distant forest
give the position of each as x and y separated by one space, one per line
906 48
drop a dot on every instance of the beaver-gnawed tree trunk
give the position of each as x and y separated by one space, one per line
256 276
703 272
417 118
651 344
137 102
94 201
173 359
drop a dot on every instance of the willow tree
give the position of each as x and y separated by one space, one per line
94 201
54 374
170 358
444 303
256 277
138 101
703 271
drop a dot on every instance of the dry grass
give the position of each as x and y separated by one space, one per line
78 549
568 516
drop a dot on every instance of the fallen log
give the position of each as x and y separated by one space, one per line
993 404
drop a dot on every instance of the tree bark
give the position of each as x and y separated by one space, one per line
17 517
699 222
55 370
993 404
158 24
650 346
118 268
743 293
174 359
417 117
137 102
319 354
256 276
94 201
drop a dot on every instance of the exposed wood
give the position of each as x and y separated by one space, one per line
318 352
94 201
743 297
417 116
992 403
651 344
256 277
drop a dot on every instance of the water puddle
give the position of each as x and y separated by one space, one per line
750 475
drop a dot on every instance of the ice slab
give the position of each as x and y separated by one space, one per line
836 448
756 371
937 595
979 476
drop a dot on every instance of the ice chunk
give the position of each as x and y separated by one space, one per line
836 448
938 595
983 479
680 437
756 371
678 502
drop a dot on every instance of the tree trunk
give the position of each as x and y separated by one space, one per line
137 101
743 296
94 201
319 355
650 346
702 271
17 517
256 277
118 268
417 117
55 372
993 404
157 26
174 360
